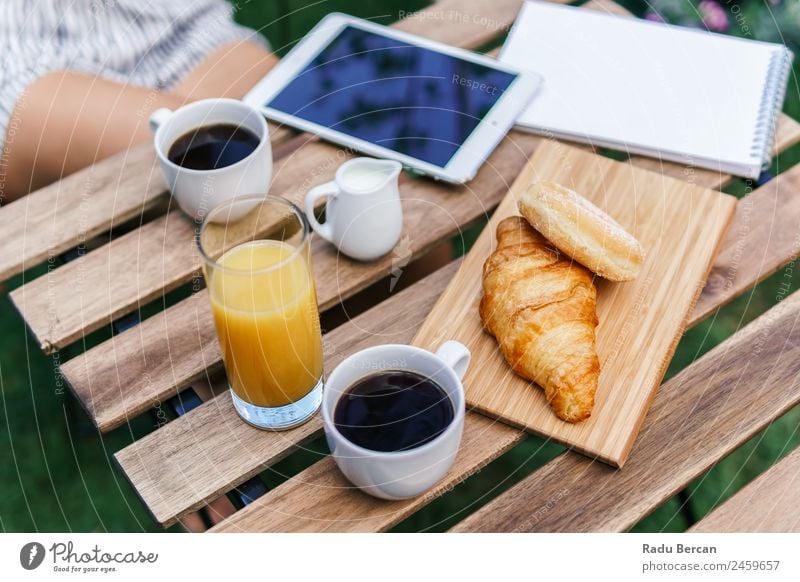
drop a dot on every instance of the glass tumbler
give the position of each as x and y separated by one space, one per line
257 267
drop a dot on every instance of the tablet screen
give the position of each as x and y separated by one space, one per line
406 98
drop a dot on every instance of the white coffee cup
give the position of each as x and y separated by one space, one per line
198 191
401 474
363 216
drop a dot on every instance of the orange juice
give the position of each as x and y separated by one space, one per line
265 311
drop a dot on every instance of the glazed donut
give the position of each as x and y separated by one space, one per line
582 231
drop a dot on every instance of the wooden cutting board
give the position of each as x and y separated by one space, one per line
680 226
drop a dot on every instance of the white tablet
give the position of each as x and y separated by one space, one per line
438 110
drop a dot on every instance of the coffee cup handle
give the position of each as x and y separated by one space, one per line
158 117
456 356
328 190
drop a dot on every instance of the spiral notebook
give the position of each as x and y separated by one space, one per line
679 94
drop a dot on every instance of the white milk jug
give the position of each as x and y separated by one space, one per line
363 216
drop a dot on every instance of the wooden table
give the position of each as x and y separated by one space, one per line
698 417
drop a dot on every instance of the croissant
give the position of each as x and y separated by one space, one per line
541 308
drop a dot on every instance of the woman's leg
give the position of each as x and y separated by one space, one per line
66 121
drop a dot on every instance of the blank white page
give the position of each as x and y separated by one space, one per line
640 84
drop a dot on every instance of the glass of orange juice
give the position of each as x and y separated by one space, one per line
257 267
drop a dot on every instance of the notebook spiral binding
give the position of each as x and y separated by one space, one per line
771 102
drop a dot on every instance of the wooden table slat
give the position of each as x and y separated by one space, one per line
762 237
787 134
767 504
573 492
85 204
208 451
699 417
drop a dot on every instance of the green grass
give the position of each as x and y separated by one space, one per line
58 474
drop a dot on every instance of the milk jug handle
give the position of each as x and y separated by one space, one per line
329 190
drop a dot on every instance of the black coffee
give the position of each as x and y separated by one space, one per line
393 410
213 146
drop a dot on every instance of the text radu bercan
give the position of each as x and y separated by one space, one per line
677 549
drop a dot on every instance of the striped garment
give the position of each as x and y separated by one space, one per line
151 43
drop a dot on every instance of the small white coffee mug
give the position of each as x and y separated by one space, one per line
363 216
198 191
407 473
